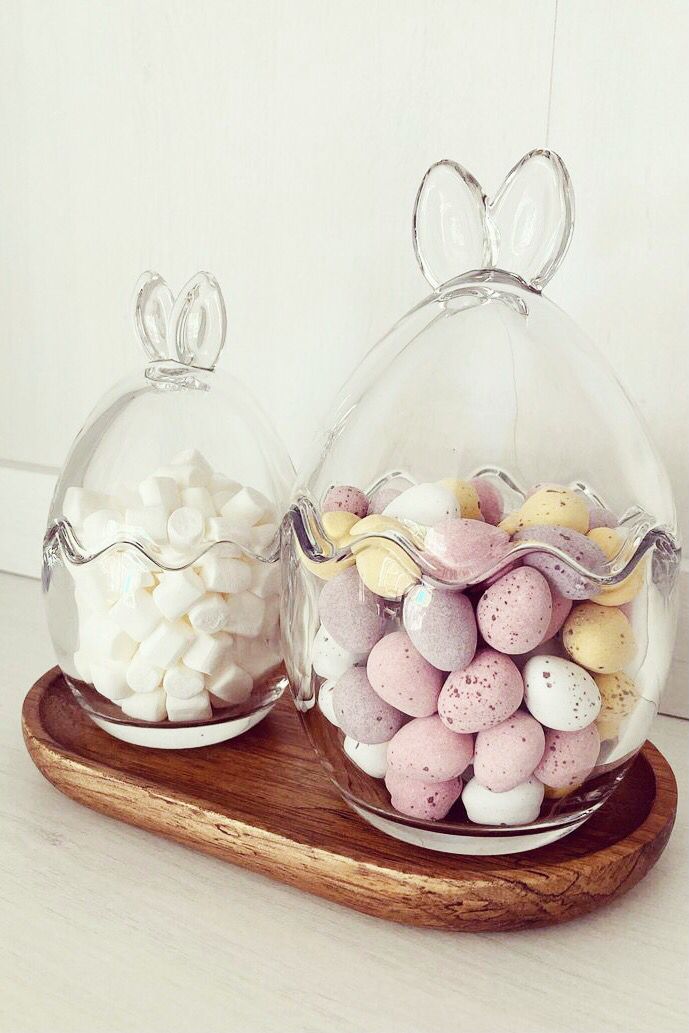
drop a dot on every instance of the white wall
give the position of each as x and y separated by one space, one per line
280 145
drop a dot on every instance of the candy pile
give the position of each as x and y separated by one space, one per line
501 693
176 644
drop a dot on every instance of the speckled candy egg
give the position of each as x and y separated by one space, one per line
384 567
514 614
425 748
401 676
329 659
568 757
567 581
350 613
507 754
360 712
610 542
599 516
561 609
463 549
427 801
441 625
551 505
619 696
517 806
485 693
599 638
489 500
372 758
560 694
346 498
468 502
424 504
382 498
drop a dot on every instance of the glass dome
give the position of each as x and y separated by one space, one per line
161 572
479 580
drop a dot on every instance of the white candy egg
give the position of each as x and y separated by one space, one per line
325 702
517 806
560 694
426 504
328 659
371 758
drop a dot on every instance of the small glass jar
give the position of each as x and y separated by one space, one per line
160 559
480 604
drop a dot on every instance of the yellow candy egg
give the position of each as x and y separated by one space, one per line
467 497
619 695
610 541
337 526
554 505
511 523
383 566
599 638
551 793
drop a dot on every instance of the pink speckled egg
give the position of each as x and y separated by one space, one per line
345 498
360 712
382 498
582 549
489 500
599 516
441 625
507 569
428 801
426 749
513 614
402 677
351 614
559 614
507 754
568 757
463 549
485 693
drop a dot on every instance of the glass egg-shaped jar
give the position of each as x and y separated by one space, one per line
479 605
161 569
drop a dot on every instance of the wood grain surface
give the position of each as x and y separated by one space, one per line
263 802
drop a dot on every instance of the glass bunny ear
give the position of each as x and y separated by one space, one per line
198 322
525 229
153 302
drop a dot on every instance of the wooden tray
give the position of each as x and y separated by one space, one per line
263 802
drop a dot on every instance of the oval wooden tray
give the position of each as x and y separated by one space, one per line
262 802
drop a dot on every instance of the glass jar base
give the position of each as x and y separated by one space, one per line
180 737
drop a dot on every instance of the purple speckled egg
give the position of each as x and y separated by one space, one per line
513 614
351 614
560 612
382 498
507 754
485 693
599 516
402 677
426 749
428 801
578 546
489 500
442 626
568 757
360 711
463 549
345 498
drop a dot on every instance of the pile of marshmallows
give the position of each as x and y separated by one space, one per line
519 678
176 645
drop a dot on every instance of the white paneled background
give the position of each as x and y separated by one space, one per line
280 145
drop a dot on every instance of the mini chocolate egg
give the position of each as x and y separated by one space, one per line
554 505
507 754
560 694
489 500
599 516
599 638
360 712
425 748
466 494
370 757
462 550
562 577
485 693
561 609
428 801
384 567
569 757
513 615
347 499
401 676
328 659
423 504
619 696
382 498
350 613
518 806
442 626
610 542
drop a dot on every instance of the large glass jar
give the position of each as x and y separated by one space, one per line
479 605
161 572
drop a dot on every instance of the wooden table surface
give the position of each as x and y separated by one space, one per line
107 928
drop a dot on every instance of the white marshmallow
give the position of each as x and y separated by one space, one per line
110 679
137 614
271 617
262 536
196 708
183 683
145 706
126 571
160 491
142 674
223 496
185 528
255 656
91 586
79 503
100 637
266 579
167 644
192 457
373 759
224 575
245 615
208 653
329 660
219 482
124 496
199 498
100 528
247 508
221 529
209 614
325 703
176 592
425 504
82 665
231 685
147 522
191 469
